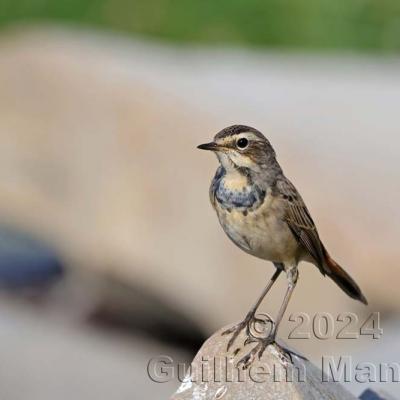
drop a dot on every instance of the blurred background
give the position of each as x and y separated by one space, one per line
110 253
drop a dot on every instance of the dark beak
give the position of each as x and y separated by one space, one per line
209 146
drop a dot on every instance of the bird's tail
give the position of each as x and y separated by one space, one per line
342 278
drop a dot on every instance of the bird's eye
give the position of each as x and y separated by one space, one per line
242 143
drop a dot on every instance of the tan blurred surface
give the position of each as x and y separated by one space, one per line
98 157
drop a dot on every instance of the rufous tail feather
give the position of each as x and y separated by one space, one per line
342 278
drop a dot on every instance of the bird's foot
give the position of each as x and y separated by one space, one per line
257 350
254 327
235 331
284 354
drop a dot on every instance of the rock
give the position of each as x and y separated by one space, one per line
214 375
27 263
45 358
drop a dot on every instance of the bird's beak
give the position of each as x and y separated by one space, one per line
209 146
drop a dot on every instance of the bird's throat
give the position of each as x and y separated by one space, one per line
235 190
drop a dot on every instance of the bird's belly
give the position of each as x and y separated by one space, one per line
262 233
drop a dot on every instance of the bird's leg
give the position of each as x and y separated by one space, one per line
292 275
245 324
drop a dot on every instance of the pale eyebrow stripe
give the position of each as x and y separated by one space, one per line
250 135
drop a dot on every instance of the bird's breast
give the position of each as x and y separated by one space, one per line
252 217
236 191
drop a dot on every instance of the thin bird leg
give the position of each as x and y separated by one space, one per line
253 309
292 276
263 343
235 330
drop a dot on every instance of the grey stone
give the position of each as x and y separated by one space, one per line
214 375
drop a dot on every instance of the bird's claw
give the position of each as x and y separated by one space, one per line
257 350
249 340
235 331
262 343
285 355
236 352
245 361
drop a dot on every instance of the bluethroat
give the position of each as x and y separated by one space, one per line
262 212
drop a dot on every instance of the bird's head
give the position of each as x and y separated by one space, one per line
240 146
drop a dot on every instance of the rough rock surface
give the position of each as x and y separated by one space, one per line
214 375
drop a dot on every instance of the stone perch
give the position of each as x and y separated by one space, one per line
215 376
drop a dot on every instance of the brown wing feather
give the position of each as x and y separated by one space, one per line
300 222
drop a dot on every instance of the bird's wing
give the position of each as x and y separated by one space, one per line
300 222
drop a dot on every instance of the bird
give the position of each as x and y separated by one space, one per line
262 212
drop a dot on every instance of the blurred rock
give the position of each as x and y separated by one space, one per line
214 376
44 358
27 264
130 308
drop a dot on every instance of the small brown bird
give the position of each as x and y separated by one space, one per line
262 213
